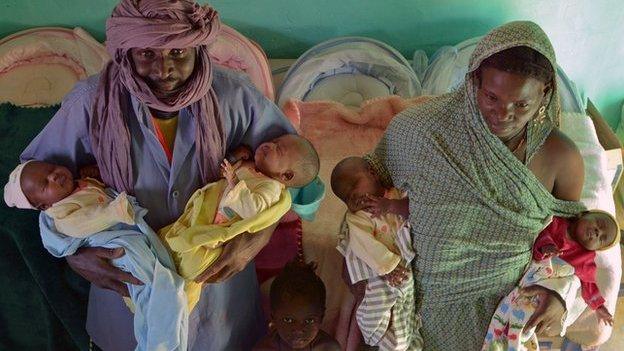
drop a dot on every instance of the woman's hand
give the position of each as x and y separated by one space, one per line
397 276
377 206
235 256
550 251
92 263
548 312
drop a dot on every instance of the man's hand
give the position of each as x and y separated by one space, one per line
548 312
92 263
397 276
91 171
242 153
235 256
604 315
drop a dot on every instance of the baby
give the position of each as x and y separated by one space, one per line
79 208
574 241
81 214
378 250
252 197
297 307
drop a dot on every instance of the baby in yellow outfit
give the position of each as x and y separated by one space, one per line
252 197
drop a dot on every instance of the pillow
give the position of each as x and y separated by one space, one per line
351 69
234 51
39 66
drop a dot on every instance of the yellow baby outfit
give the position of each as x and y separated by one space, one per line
195 239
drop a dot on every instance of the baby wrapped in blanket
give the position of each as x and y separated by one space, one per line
378 250
82 213
251 198
567 246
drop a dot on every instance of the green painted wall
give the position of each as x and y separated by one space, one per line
588 35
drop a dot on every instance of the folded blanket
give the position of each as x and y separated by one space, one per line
161 315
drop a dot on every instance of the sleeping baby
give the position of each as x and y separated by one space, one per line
566 246
378 250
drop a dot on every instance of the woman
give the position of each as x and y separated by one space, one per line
484 168
158 120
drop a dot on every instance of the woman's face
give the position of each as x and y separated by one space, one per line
164 70
508 101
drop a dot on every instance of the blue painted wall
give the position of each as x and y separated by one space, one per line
588 35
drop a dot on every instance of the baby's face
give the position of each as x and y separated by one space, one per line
45 184
595 231
353 189
278 158
297 321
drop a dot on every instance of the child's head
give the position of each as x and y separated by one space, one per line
297 304
352 179
38 185
290 159
595 230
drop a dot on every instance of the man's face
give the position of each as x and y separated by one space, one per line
164 70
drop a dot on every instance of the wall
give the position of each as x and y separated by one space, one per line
588 35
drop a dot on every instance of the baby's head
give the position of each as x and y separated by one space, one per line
297 304
352 179
595 230
290 159
38 185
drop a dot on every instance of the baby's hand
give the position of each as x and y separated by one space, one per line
550 251
377 206
229 172
397 276
604 316
91 171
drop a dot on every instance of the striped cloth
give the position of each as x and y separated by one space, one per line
386 316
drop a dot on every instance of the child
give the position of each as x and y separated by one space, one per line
252 197
297 307
81 213
565 243
378 249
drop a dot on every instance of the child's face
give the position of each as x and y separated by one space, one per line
45 184
595 231
353 189
278 158
297 321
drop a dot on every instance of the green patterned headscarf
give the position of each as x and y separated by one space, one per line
513 34
475 209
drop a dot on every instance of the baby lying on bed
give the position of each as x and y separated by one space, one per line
81 213
566 246
378 250
252 197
